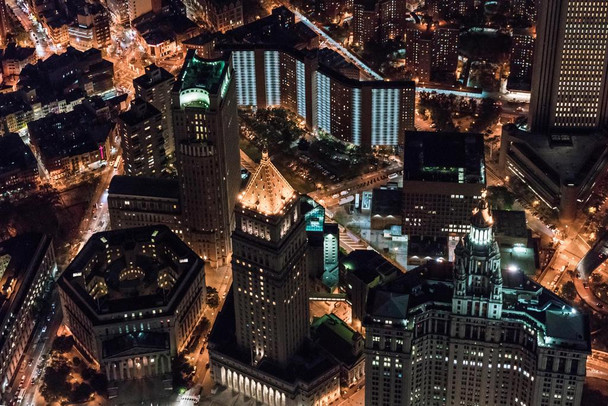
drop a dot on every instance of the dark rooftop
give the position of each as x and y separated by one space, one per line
17 53
15 155
139 112
153 76
337 338
511 223
68 134
147 268
142 186
565 158
387 201
444 157
556 323
367 265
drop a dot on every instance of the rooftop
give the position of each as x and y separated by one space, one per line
139 112
444 157
565 158
142 186
199 73
267 191
130 269
17 53
367 265
68 134
337 338
15 155
153 76
556 323
510 223
387 201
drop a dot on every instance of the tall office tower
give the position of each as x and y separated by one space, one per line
269 267
443 176
570 73
473 334
141 134
205 125
522 53
155 87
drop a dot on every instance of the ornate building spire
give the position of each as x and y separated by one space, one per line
267 191
477 273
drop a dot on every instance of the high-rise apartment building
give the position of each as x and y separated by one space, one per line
522 54
570 73
473 334
382 20
392 14
443 177
431 52
155 87
445 50
418 47
269 267
277 62
205 126
365 21
141 132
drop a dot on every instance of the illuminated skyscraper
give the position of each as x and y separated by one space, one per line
473 334
259 344
569 90
269 267
205 126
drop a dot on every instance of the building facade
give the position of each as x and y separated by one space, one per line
92 28
520 64
143 145
205 126
474 334
569 85
286 73
155 87
27 267
132 298
139 201
443 177
259 344
222 15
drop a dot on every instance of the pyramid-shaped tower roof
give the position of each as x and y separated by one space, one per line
267 192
